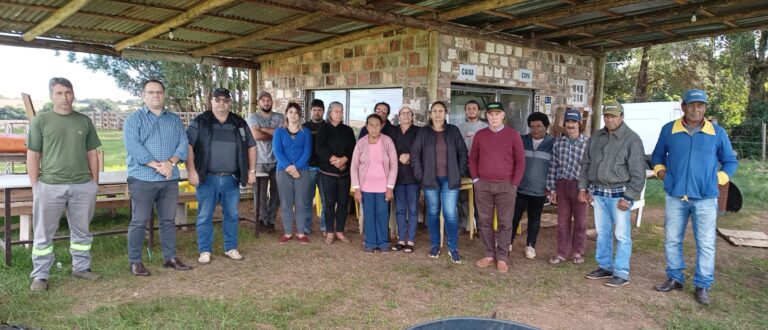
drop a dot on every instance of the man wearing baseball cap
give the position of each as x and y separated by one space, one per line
221 158
263 124
692 156
612 176
496 165
563 184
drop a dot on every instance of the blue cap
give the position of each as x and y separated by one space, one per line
571 114
695 95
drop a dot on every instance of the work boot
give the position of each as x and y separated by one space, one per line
38 285
669 285
702 296
86 275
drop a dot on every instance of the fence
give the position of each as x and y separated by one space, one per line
115 120
749 141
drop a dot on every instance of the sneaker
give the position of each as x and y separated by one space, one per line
455 257
599 274
38 284
616 282
484 262
284 239
303 240
530 252
434 252
369 250
86 275
205 258
234 255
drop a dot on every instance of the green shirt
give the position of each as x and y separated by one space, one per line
63 142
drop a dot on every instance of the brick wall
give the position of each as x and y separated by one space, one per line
393 59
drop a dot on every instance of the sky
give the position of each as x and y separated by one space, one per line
27 70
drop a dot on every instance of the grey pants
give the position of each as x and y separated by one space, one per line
144 196
269 201
293 196
49 202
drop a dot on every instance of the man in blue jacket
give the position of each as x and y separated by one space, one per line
692 157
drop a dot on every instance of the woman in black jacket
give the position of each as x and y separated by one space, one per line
334 145
439 160
406 186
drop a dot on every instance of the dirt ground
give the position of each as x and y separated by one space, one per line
394 290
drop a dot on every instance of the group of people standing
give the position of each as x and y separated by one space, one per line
511 173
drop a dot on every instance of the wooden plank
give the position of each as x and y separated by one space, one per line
57 17
28 106
744 237
166 26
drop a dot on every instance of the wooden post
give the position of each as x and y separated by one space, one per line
763 142
597 98
28 106
433 66
253 90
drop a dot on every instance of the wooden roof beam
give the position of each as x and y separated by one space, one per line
610 13
57 17
417 7
642 19
475 8
558 14
166 26
500 14
547 25
390 21
671 26
688 37
731 24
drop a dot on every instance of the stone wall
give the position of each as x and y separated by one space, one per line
400 59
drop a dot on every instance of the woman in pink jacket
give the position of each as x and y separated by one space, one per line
374 171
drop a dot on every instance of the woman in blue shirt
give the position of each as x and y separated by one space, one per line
292 146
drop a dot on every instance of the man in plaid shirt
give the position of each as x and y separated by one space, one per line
563 187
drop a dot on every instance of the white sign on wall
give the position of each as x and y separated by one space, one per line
467 72
525 75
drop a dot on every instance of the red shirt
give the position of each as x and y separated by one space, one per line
497 156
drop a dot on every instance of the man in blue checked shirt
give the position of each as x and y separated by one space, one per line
612 176
155 141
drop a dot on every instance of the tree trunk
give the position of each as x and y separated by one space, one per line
758 75
641 90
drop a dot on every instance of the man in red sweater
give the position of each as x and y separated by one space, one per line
496 164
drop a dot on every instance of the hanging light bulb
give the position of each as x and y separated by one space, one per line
693 17
171 36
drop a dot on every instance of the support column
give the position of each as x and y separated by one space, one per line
253 90
434 66
597 98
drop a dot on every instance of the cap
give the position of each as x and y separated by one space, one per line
571 114
494 106
613 108
221 91
695 95
264 94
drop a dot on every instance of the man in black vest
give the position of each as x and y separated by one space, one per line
222 157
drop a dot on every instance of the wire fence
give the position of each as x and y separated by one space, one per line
749 141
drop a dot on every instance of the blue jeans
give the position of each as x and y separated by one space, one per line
407 204
224 190
314 181
376 221
449 199
703 213
610 221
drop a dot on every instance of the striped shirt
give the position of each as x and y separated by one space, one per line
149 137
566 160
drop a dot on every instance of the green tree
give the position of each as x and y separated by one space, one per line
101 105
9 112
187 86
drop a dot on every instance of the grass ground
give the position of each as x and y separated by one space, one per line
318 286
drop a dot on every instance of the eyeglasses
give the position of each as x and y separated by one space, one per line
222 100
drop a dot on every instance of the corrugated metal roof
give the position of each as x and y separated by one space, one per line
591 24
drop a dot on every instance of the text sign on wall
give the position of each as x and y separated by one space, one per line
525 75
467 72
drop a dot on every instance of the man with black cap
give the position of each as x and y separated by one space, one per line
563 187
316 111
263 124
692 156
612 176
496 165
221 157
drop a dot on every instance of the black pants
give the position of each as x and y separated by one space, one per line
534 205
335 208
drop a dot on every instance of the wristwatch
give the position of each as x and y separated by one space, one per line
252 171
172 163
